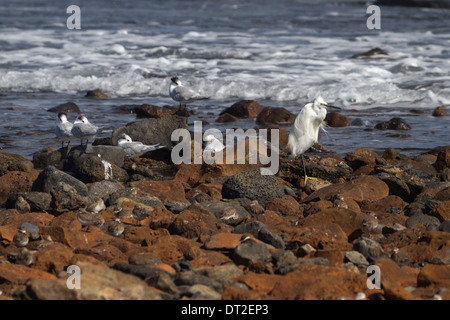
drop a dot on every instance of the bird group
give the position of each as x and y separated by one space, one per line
303 134
81 129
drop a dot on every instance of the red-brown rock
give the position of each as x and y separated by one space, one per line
439 112
285 205
434 275
324 236
402 275
14 162
349 221
223 241
226 117
367 188
441 211
244 109
164 190
193 224
53 258
160 218
172 248
337 120
19 274
384 204
443 160
275 115
16 181
361 157
151 111
73 238
443 195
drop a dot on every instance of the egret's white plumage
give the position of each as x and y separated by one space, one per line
63 129
183 94
213 145
83 129
305 131
135 148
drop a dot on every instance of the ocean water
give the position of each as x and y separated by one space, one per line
281 53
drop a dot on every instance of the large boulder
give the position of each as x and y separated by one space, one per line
14 162
244 109
275 115
152 131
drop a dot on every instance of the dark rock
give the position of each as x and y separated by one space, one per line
275 115
201 291
153 276
38 201
371 52
97 94
152 131
65 107
443 160
250 253
97 163
14 162
284 261
260 231
50 178
244 109
48 157
252 185
397 187
176 206
144 258
226 117
190 278
193 224
400 257
356 258
445 226
151 111
129 193
423 219
439 112
320 261
393 124
445 175
337 120
369 248
103 189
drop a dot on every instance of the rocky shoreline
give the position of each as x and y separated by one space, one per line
224 231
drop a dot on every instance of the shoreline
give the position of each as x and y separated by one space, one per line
226 231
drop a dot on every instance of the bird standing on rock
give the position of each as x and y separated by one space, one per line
305 131
116 227
182 94
63 129
83 129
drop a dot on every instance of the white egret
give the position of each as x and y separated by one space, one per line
305 131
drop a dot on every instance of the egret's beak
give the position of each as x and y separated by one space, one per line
332 107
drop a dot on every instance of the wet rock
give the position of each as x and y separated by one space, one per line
423 219
226 117
14 162
151 111
337 120
275 115
369 248
439 112
14 182
361 157
193 224
260 231
252 185
248 253
244 109
370 53
356 258
49 157
393 124
231 213
66 107
397 187
152 131
97 94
